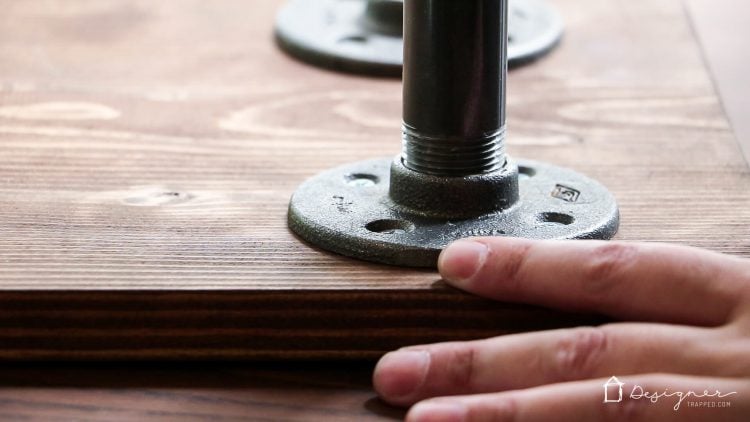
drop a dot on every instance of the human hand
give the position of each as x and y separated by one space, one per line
692 334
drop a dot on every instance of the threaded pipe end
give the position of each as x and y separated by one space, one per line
453 157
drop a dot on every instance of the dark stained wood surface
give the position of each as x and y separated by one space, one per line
147 154
268 392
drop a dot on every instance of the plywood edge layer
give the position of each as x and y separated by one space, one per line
248 325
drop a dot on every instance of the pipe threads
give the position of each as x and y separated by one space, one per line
453 157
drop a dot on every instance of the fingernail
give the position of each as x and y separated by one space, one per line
440 411
461 260
400 374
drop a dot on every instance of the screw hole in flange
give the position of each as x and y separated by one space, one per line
557 218
390 226
361 180
526 172
359 39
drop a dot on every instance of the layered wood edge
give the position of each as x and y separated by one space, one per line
247 325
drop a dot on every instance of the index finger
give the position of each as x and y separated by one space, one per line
646 282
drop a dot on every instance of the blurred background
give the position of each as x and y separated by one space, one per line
723 28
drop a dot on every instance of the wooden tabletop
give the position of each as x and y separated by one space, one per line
147 154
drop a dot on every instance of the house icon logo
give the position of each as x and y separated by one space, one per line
613 390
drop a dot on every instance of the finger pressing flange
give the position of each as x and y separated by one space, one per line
645 282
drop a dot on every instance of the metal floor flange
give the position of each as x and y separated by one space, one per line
348 210
355 36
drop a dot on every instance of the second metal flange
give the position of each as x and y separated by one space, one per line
348 210
365 36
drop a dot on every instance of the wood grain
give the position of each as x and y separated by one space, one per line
148 152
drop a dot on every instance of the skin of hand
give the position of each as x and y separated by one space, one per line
692 334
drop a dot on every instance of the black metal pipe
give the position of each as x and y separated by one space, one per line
454 86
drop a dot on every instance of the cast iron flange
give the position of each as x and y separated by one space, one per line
348 210
453 178
365 36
